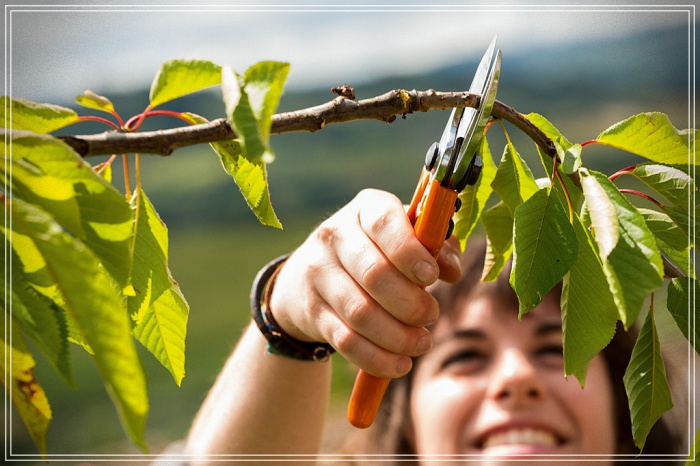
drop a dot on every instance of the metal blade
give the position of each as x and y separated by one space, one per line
464 123
473 123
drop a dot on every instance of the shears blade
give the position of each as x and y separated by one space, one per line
462 135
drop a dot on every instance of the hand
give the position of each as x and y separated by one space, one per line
358 283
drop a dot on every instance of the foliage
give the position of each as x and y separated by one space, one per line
89 264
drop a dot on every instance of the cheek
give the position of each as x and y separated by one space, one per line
440 408
592 408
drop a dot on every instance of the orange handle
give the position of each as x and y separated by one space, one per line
430 212
366 396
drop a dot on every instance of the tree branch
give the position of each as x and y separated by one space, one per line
341 109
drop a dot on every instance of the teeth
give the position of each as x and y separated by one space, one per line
520 437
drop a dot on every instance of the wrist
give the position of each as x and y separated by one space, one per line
278 341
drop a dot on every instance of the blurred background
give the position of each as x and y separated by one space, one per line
584 68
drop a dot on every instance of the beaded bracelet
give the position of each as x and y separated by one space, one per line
279 342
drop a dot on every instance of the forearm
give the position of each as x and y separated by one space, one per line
262 404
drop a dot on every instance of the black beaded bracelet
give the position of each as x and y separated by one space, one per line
279 342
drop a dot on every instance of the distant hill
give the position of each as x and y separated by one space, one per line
581 88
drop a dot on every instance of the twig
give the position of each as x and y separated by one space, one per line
385 108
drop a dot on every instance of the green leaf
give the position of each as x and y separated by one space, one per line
645 382
242 119
682 218
569 154
54 194
177 78
96 102
474 197
97 308
39 318
588 308
158 310
672 183
544 247
264 85
27 395
251 178
672 241
250 103
633 266
652 136
162 330
514 182
498 225
681 293
21 114
551 131
150 276
48 173
602 214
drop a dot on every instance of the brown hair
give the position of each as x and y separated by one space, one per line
391 430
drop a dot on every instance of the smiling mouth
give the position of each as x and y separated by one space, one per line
520 436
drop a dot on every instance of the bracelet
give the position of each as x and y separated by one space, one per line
279 342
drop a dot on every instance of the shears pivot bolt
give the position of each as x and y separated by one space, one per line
472 174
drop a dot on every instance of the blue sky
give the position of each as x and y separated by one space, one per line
55 51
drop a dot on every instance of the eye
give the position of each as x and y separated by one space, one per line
463 359
551 353
554 350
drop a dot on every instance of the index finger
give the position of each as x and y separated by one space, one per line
383 218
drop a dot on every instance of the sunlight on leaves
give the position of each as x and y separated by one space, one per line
84 203
177 78
242 119
251 178
162 330
633 267
27 395
150 276
39 318
21 114
97 308
672 183
158 309
601 212
89 99
264 85
652 136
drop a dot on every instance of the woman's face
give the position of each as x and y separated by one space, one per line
494 386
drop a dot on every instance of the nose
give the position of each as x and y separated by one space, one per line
515 381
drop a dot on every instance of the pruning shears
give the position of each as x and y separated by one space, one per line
450 166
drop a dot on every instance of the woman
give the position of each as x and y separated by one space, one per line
490 389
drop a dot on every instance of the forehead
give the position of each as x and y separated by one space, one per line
487 306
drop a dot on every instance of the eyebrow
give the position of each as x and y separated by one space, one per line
464 333
545 328
548 327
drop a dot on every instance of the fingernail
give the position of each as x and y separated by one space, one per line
403 365
425 272
455 261
424 344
